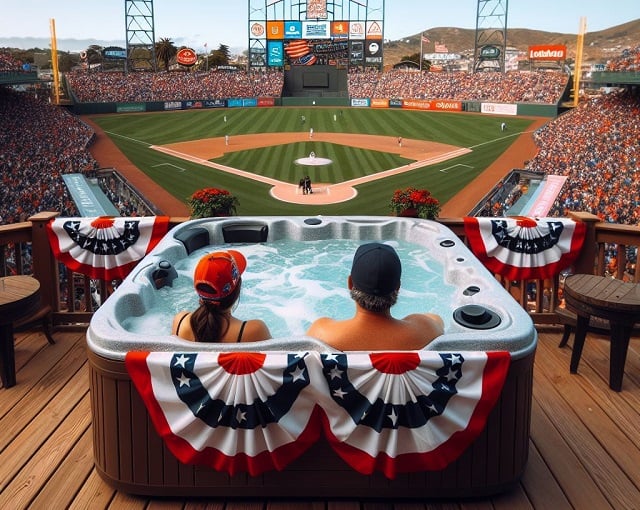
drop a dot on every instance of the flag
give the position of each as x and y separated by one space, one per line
392 412
106 247
425 39
522 248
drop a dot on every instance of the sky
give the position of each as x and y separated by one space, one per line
214 22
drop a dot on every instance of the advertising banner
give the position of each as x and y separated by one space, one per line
293 30
131 107
317 9
316 30
499 108
275 54
379 103
373 52
257 29
340 29
432 104
360 102
374 30
357 30
266 101
275 30
548 52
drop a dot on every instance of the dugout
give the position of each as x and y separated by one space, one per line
315 81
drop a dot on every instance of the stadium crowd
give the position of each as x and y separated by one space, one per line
103 87
596 146
39 143
510 87
629 60
9 63
535 87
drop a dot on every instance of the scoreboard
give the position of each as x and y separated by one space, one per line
340 33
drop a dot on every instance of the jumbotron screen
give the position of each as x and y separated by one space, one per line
342 33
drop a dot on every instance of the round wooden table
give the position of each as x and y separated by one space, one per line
607 298
19 297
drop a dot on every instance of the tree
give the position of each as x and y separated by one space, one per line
219 57
165 51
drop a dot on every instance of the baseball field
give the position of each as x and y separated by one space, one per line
355 158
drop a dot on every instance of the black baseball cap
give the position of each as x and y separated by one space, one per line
376 269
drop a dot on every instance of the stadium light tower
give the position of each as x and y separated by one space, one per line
141 48
491 35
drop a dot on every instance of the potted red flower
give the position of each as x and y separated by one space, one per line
416 203
209 202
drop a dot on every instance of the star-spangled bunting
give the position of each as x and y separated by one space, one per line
253 412
104 248
522 248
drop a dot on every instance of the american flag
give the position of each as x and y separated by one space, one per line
105 247
425 39
253 412
522 248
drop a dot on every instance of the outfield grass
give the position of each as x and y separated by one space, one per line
135 133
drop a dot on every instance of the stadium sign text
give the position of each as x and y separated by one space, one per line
548 52
186 57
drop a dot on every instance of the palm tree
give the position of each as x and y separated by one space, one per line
165 51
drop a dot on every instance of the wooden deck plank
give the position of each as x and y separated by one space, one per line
583 454
598 443
94 493
35 474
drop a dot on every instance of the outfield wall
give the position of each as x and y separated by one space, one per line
501 109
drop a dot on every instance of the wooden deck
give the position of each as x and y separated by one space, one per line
584 449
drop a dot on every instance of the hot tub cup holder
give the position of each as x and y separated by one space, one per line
476 317
164 274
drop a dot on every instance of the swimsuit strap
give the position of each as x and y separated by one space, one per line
180 322
244 323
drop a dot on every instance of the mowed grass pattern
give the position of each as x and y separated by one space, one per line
135 133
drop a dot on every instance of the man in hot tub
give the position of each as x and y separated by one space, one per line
374 283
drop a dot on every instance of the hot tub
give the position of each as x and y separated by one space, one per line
481 317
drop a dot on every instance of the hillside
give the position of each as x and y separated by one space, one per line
598 46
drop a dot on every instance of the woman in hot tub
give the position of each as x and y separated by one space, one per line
217 280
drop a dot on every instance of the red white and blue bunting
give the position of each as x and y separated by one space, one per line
106 247
254 412
522 248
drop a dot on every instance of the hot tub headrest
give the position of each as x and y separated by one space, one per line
193 238
245 233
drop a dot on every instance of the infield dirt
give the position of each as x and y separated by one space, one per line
424 152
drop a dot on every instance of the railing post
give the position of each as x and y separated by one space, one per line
586 261
45 267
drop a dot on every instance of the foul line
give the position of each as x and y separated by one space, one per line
444 170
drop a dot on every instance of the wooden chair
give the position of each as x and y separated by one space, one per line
596 325
41 318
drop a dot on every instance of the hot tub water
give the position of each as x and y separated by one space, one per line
290 283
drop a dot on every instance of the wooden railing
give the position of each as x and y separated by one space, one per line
25 249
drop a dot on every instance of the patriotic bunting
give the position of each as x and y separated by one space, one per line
522 248
254 412
105 248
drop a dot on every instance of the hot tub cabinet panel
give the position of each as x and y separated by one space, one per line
130 456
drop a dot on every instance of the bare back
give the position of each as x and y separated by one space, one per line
368 331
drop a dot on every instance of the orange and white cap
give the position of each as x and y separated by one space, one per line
217 274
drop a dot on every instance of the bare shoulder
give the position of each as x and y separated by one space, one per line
319 325
256 330
430 320
177 319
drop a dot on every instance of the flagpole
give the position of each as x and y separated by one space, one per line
421 40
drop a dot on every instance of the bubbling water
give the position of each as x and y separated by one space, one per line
288 284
